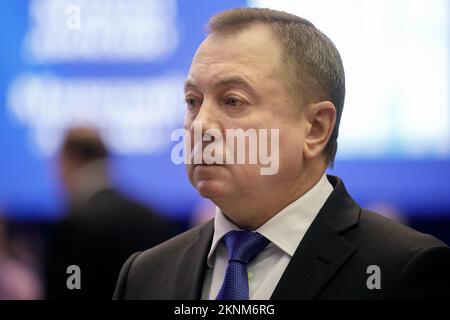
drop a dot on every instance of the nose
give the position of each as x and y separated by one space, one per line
205 128
208 117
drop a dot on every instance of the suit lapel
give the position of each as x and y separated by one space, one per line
322 251
189 280
318 257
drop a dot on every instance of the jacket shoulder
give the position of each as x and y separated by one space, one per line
392 236
152 274
409 263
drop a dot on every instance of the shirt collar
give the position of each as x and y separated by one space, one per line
221 227
287 228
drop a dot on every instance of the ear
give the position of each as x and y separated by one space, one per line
321 119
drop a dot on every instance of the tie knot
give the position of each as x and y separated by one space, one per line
243 246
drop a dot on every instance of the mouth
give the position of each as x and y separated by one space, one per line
207 165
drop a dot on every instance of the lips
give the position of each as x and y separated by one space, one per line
208 165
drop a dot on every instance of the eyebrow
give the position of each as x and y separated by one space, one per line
232 81
188 84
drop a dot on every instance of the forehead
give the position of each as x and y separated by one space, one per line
253 53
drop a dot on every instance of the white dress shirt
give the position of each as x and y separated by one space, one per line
285 230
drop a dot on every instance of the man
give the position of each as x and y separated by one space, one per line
296 234
103 227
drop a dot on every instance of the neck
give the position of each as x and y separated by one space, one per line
250 213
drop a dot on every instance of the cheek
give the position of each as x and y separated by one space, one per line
291 148
189 118
246 173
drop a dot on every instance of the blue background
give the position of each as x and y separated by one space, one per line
29 187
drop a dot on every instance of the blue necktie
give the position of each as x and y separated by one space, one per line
242 246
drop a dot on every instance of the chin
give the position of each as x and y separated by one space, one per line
210 188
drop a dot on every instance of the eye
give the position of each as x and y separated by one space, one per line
234 102
192 102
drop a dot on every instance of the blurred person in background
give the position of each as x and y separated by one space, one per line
102 227
19 280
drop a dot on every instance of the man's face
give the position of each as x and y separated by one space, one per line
236 81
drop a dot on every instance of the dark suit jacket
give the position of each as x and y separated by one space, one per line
330 263
98 237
